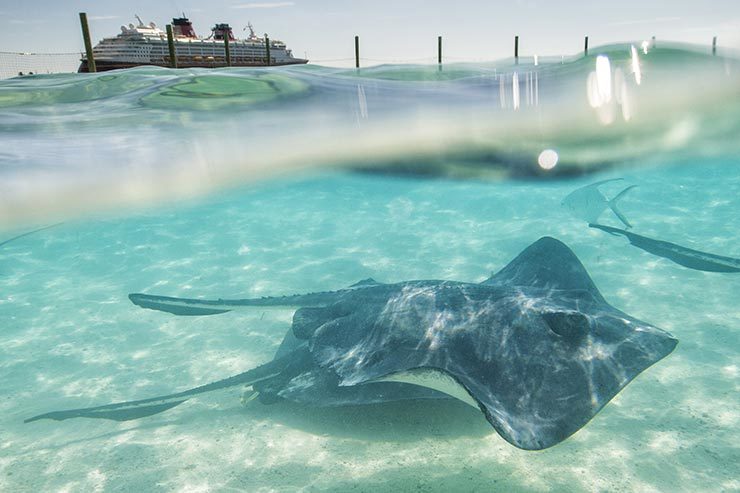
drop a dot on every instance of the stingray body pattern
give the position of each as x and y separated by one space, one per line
535 348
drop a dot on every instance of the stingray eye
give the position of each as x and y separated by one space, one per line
307 319
572 326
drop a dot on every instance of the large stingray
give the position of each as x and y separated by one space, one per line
535 347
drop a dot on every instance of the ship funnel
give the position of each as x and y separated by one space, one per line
220 31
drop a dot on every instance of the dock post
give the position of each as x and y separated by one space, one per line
585 46
357 52
267 49
516 49
171 45
227 49
714 45
439 50
88 45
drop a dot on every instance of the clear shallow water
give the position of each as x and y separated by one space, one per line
71 338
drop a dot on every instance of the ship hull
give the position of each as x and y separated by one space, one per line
105 65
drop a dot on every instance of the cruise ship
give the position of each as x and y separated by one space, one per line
146 44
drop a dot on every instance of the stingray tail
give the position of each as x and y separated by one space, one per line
125 411
610 230
196 307
613 205
181 306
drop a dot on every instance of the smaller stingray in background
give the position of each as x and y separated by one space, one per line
693 259
535 347
588 202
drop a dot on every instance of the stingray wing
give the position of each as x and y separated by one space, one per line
546 263
541 387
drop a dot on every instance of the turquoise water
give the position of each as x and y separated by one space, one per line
242 183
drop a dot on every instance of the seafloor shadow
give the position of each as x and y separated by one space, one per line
401 421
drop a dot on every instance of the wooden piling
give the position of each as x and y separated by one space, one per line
357 52
227 49
439 50
267 50
88 43
714 45
585 46
516 49
171 46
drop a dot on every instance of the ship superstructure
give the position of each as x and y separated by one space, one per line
146 44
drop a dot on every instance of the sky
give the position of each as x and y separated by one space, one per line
391 31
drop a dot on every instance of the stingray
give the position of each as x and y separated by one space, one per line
693 259
535 347
588 202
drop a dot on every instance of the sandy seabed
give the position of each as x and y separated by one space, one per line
70 338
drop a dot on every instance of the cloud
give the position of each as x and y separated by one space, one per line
263 5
